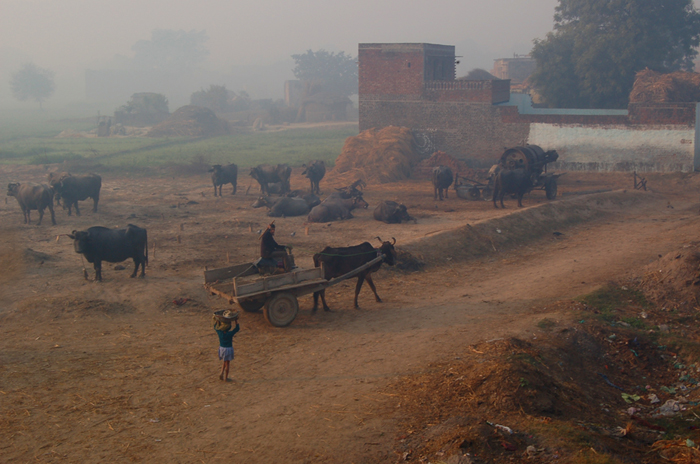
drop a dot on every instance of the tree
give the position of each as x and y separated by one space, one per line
171 50
597 46
337 72
32 82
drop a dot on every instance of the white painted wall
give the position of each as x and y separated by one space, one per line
618 147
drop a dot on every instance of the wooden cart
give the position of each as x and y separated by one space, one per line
277 294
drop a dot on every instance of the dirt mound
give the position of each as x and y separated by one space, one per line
191 121
651 86
674 280
376 156
424 169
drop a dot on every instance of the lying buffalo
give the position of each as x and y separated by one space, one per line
315 172
392 212
33 197
99 244
511 182
78 188
266 174
339 261
335 208
283 206
442 179
222 175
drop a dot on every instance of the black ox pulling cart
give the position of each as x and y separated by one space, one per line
276 294
531 158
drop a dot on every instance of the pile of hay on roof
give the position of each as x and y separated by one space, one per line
653 87
376 156
191 121
424 169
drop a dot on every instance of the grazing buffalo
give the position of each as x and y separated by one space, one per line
53 179
283 206
222 175
99 244
391 212
512 182
335 208
266 174
315 172
442 179
78 188
33 197
340 261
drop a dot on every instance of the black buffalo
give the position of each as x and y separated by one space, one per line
335 208
267 174
283 206
78 188
442 179
340 261
511 182
53 179
33 197
99 244
222 175
315 172
391 212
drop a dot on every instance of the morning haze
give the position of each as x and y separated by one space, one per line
250 43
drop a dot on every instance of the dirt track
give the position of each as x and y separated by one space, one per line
115 371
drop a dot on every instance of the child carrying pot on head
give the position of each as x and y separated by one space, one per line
222 325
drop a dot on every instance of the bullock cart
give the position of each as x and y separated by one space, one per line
532 158
276 294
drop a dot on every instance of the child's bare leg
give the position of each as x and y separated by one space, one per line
227 364
223 366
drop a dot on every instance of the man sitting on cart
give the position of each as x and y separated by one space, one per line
273 256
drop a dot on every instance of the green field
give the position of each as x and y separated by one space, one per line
34 142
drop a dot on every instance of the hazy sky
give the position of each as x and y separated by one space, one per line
69 36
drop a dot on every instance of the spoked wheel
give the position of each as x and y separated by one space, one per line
251 306
474 193
550 188
487 193
281 309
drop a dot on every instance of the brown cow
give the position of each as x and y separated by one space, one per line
33 197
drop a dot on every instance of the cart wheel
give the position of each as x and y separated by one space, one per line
550 188
251 306
281 309
487 194
473 194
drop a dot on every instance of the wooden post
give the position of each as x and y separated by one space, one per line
250 227
306 230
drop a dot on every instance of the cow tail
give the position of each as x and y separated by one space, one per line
145 241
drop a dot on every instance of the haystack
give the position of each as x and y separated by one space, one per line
376 156
191 121
653 87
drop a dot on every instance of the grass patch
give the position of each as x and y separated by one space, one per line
33 141
546 324
611 298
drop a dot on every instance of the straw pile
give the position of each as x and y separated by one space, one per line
191 121
376 156
653 87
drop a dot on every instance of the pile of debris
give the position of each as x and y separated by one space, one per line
424 169
376 156
191 121
653 87
674 280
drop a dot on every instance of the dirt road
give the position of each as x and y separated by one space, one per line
117 372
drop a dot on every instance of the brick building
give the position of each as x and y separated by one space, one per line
413 85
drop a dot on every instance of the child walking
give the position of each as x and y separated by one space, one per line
222 325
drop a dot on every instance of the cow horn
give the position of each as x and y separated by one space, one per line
394 241
379 239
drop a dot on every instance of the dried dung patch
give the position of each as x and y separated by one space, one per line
191 121
406 262
376 156
57 307
651 86
674 280
183 304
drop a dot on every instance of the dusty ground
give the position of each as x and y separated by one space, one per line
91 372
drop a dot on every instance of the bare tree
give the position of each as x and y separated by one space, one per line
32 82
